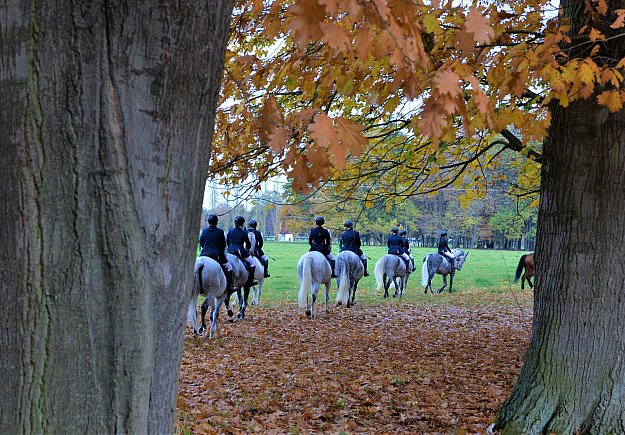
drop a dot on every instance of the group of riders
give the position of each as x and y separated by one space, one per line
397 243
214 243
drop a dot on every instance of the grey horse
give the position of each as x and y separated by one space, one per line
209 280
390 269
349 270
438 264
239 279
259 275
313 270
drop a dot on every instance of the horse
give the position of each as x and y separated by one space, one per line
349 270
259 274
527 262
388 268
313 270
209 280
436 263
239 279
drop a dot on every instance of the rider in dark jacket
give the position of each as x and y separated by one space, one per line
320 240
395 245
406 245
443 249
213 244
258 249
239 245
350 241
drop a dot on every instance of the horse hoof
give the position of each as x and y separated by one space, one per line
240 316
200 331
338 304
230 313
308 313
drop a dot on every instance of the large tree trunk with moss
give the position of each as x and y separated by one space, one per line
106 124
573 378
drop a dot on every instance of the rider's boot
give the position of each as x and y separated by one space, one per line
250 276
332 264
266 264
451 261
364 262
229 278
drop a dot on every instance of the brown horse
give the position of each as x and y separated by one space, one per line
527 262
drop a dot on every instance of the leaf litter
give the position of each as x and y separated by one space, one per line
383 369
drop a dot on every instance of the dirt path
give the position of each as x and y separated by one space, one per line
368 369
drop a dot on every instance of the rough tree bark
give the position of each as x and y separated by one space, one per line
106 121
573 378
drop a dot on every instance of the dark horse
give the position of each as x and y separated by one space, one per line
527 262
436 263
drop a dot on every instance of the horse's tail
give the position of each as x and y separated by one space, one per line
343 292
519 268
378 272
306 282
425 273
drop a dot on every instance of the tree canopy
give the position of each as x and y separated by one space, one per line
393 98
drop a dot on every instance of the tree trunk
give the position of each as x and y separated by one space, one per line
107 119
573 378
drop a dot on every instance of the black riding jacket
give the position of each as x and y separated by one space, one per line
350 241
319 240
238 242
405 244
213 244
258 249
442 246
395 244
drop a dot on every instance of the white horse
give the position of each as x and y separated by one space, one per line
435 263
209 280
313 270
349 270
259 274
390 269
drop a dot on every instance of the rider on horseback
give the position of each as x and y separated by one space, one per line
319 240
258 249
443 249
350 241
406 245
238 244
395 245
213 244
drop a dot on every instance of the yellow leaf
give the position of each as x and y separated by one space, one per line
595 34
610 99
585 73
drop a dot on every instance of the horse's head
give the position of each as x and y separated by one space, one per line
461 257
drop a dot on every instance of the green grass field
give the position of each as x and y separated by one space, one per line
485 278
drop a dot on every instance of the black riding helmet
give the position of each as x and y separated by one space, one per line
319 220
443 234
394 230
212 219
253 223
403 232
239 221
348 223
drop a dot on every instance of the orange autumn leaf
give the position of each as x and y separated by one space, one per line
478 26
322 130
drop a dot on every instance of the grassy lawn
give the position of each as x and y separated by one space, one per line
486 277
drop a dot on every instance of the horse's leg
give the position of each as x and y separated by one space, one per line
328 294
204 310
451 280
243 305
215 316
387 283
313 307
396 286
228 307
444 285
352 290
